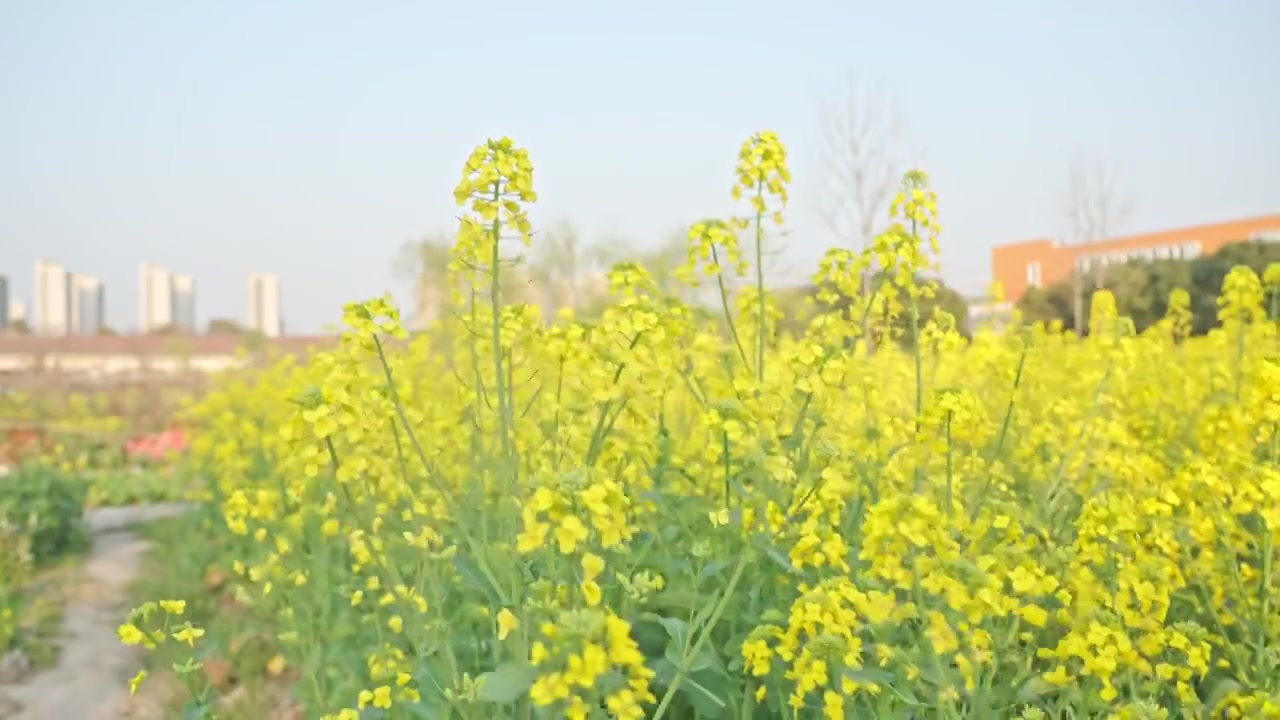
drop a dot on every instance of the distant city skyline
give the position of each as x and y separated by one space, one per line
66 302
233 136
88 305
51 301
155 298
264 305
6 308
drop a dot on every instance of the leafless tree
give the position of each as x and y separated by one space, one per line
556 264
425 263
1096 207
859 164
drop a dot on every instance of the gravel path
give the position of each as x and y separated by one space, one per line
91 679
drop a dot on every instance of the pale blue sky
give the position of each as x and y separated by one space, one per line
311 139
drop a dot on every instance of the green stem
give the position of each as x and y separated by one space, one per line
760 282
473 344
915 334
724 303
703 637
1268 553
916 357
600 432
1004 433
950 479
724 448
495 299
1240 358
394 396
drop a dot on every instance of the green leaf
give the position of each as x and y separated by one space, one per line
703 690
429 668
1221 690
196 710
471 572
676 628
718 567
705 694
508 683
866 676
884 680
675 599
706 659
773 553
650 636
1034 688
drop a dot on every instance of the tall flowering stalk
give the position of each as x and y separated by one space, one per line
496 187
763 174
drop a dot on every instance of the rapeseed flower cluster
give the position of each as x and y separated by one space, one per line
660 514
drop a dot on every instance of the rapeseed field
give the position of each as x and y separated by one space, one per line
659 515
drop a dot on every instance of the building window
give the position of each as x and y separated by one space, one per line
1190 249
1033 274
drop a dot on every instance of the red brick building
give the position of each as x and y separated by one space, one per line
1038 263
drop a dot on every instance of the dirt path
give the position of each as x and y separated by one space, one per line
91 679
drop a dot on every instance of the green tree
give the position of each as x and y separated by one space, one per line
1142 287
1047 304
223 326
1208 271
797 311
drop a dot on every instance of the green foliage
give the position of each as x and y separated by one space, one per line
1208 272
15 566
223 326
1142 287
797 310
1049 304
119 488
948 300
51 505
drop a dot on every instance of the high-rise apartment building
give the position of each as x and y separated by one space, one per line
264 305
88 305
4 302
155 298
17 313
184 303
52 299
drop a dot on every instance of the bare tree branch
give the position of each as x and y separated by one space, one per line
859 163
1096 208
556 265
858 167
425 263
1095 204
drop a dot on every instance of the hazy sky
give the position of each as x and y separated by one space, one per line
311 139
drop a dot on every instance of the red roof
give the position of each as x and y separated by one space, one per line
18 344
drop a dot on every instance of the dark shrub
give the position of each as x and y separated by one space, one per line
51 505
